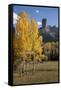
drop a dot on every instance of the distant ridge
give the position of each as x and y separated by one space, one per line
50 36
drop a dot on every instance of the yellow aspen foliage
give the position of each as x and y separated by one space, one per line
23 28
27 37
37 40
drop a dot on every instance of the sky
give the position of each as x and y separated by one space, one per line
38 13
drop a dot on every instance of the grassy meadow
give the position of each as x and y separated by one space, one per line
45 72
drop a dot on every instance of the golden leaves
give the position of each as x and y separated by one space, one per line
27 38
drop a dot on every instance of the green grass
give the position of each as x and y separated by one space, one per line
44 72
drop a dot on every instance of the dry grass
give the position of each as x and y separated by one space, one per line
45 72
